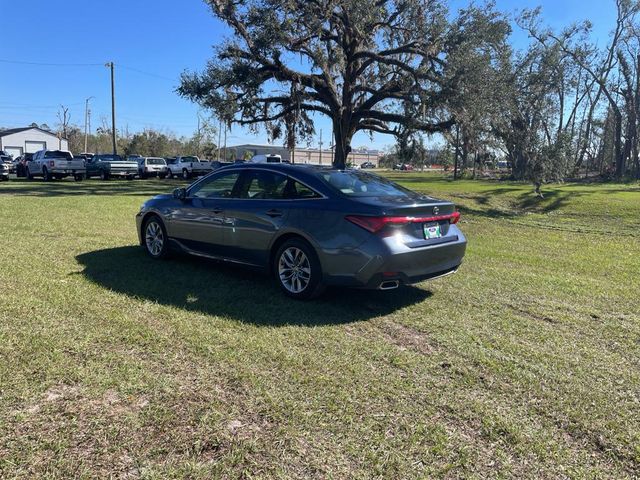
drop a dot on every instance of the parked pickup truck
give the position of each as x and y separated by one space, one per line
187 167
50 164
107 166
4 172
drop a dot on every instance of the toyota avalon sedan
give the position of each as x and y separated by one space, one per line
310 227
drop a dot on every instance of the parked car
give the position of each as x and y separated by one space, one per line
368 165
187 167
152 167
266 159
8 161
58 164
21 163
107 166
403 167
4 172
309 226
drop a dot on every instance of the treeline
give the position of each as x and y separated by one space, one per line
568 105
148 142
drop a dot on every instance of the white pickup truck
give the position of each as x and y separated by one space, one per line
187 167
50 164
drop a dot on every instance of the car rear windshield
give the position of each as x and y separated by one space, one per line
361 184
156 161
190 159
58 154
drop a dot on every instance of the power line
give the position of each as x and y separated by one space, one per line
19 62
146 73
41 64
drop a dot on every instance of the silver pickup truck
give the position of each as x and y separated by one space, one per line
187 167
50 164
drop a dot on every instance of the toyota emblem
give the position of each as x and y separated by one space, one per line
436 210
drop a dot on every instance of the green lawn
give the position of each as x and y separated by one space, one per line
525 364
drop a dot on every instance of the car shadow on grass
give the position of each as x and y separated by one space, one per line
94 187
213 288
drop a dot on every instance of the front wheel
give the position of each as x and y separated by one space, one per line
78 177
28 174
155 238
298 271
104 175
185 174
169 174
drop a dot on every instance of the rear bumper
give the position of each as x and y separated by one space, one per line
381 261
68 171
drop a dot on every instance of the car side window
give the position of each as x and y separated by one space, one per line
220 186
263 185
297 190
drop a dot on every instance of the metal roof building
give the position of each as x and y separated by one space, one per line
16 141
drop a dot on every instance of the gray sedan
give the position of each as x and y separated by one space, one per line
308 226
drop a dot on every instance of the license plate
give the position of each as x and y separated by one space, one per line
431 230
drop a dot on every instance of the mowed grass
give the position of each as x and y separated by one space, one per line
525 364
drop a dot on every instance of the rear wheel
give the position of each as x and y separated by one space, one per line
155 237
185 174
78 177
46 175
298 271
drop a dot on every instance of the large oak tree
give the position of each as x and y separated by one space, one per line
369 65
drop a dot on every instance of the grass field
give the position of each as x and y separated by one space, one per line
525 364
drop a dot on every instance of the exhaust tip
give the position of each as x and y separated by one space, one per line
389 285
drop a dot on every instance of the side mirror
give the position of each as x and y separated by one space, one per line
180 193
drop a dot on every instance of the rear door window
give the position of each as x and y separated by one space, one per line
263 185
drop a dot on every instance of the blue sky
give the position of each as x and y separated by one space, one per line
151 43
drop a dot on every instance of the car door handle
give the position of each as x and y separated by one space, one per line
274 213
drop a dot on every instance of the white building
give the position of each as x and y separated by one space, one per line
17 141
312 156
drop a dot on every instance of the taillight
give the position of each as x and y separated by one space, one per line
375 224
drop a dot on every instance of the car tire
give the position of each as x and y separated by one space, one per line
46 176
169 174
185 174
153 231
104 175
78 177
162 177
297 270
27 174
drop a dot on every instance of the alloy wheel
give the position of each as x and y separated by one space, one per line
294 270
154 238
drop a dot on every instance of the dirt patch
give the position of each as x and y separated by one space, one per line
407 338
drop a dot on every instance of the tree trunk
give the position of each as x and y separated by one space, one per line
342 146
619 156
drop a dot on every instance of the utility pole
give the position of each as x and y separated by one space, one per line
219 138
86 122
455 166
113 110
320 146
225 142
333 149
